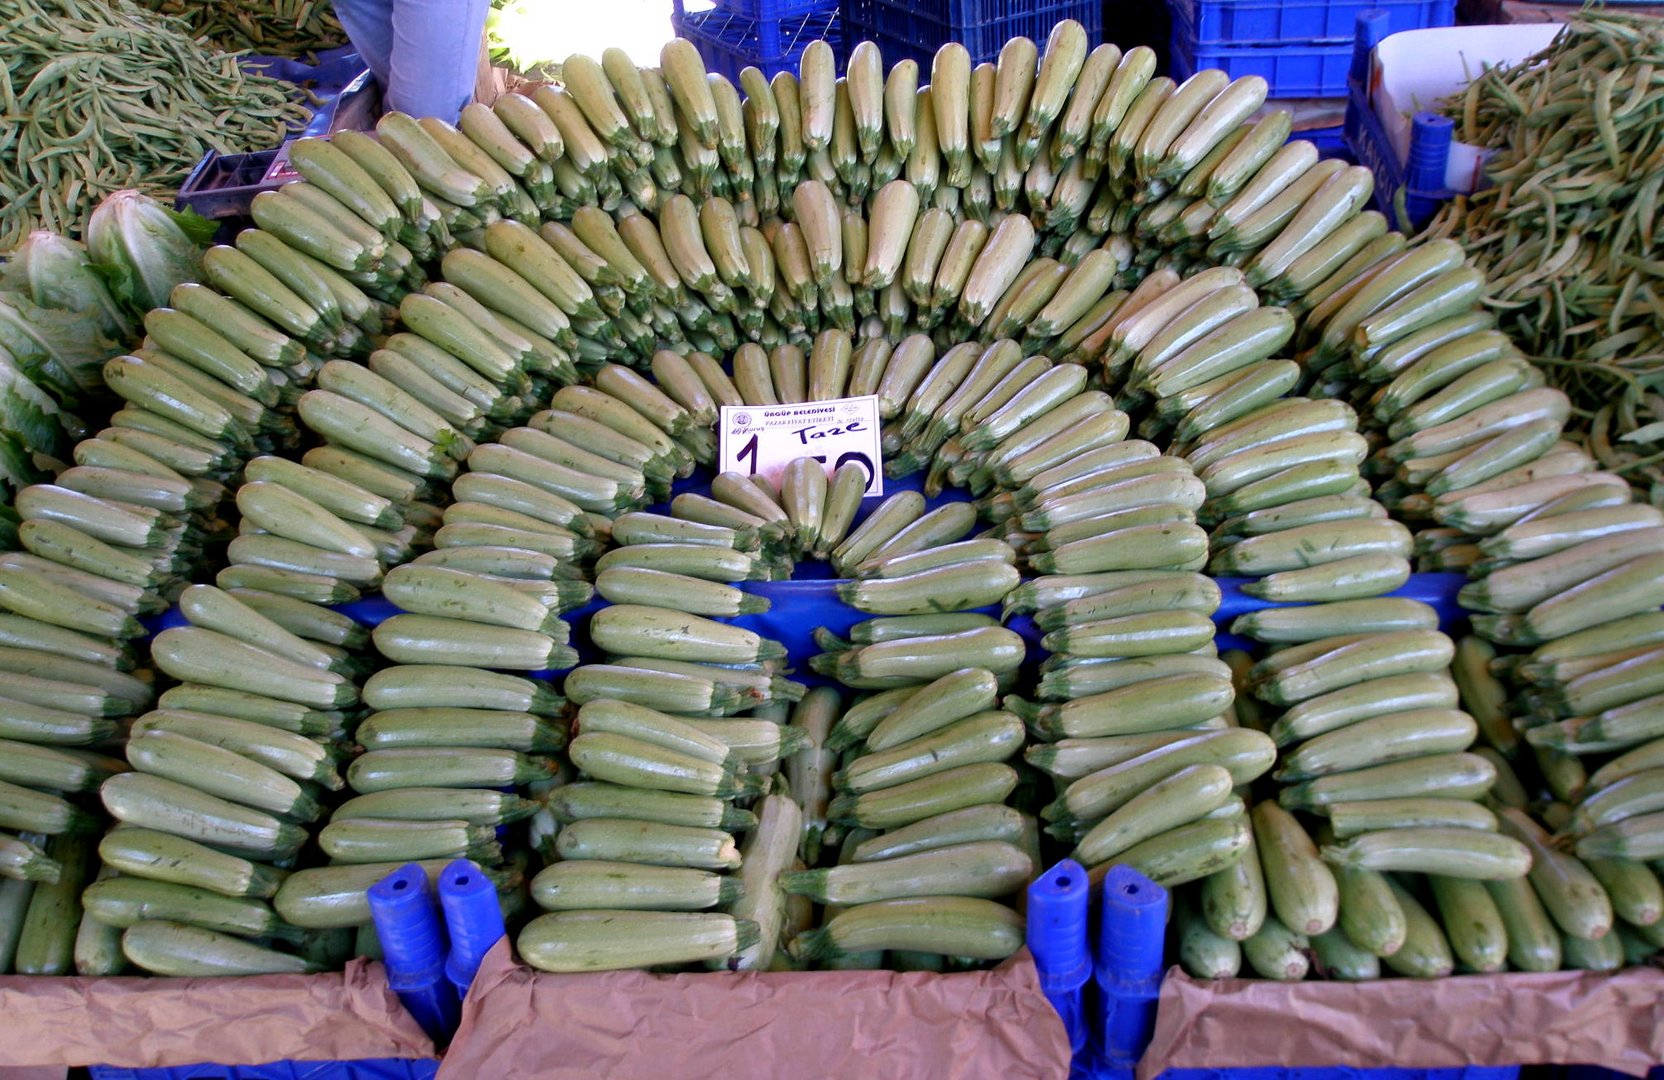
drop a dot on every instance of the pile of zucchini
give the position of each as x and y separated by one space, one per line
647 835
115 538
464 367
648 830
926 842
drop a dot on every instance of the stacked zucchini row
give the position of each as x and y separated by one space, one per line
1470 452
927 842
113 540
646 844
1285 499
229 777
646 836
449 729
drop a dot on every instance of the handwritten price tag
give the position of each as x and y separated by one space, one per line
761 440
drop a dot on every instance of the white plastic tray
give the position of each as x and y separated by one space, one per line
1413 70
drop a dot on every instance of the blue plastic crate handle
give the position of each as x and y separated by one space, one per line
412 937
1132 934
1131 949
406 915
1430 139
474 918
1057 935
1057 925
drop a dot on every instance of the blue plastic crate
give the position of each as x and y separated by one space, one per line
729 41
1268 22
776 10
915 29
1305 70
1330 142
365 1069
1420 179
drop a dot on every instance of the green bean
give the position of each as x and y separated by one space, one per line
1566 236
102 96
270 27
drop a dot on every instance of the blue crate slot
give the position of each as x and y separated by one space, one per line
915 29
1418 181
1299 70
364 1069
1270 22
730 41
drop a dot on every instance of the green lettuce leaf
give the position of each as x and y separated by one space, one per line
54 272
63 351
141 249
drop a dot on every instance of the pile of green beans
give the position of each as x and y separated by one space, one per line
292 28
1569 235
100 95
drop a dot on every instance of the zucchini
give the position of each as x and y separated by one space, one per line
1302 889
952 926
609 940
173 948
443 686
1276 952
1425 953
124 901
984 868
46 941
629 886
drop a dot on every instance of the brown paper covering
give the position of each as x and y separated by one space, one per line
1558 1018
756 1026
139 1022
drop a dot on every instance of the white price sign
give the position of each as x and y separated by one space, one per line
761 440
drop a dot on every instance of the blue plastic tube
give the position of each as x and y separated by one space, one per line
1424 171
413 945
1057 925
473 917
1131 948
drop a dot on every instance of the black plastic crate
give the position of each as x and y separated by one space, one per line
222 185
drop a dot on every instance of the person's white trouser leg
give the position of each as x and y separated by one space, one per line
435 56
369 26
